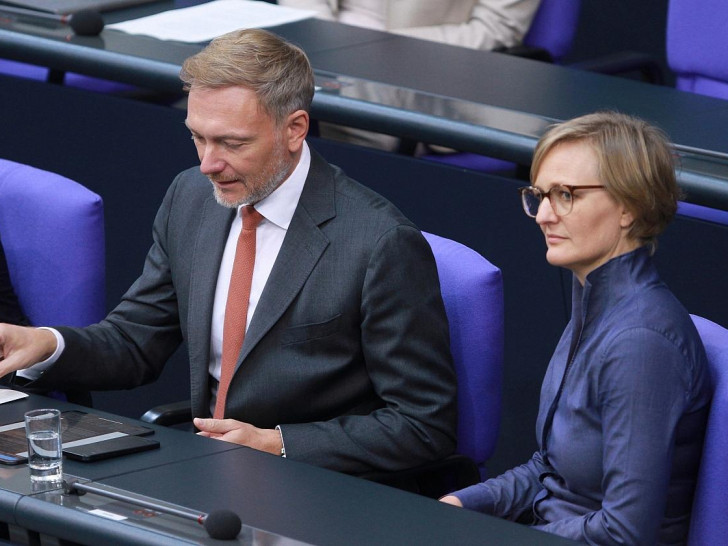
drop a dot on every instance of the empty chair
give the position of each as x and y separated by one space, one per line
709 524
472 289
697 46
52 230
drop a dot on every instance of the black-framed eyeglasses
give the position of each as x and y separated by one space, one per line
560 196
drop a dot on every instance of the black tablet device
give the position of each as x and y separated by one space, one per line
77 428
106 449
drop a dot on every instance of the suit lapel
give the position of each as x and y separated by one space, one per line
209 247
301 250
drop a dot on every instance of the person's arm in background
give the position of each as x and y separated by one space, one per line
325 9
492 24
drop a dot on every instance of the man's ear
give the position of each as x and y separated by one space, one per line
296 130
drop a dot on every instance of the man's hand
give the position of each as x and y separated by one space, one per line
237 432
21 347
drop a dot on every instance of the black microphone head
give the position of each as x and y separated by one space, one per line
222 524
87 22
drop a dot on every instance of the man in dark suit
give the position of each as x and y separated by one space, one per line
346 362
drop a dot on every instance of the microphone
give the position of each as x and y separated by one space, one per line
220 524
85 22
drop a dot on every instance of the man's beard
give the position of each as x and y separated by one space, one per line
258 187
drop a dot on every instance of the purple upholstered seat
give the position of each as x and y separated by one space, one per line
697 45
554 26
53 233
709 523
472 289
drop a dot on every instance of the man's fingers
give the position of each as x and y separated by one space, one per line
219 426
22 346
11 364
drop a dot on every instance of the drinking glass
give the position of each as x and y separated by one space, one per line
43 431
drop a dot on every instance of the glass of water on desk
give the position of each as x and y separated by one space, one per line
43 431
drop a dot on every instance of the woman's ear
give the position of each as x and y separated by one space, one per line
627 219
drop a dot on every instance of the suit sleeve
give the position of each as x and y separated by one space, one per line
492 24
131 345
509 495
405 341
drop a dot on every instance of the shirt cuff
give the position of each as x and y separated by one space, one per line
36 370
283 443
476 497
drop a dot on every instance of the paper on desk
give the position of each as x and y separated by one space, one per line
206 21
8 395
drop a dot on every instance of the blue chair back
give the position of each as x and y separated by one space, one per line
52 230
708 523
554 26
697 45
472 289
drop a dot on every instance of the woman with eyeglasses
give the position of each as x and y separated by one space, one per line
625 398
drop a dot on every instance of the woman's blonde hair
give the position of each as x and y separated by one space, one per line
636 164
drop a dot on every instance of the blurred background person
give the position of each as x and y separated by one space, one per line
476 24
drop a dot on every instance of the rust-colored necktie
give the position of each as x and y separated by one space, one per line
236 308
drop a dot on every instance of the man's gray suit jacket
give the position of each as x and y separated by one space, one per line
348 348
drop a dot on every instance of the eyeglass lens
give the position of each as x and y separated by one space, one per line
559 196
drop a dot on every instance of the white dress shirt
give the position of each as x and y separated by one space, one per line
277 210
